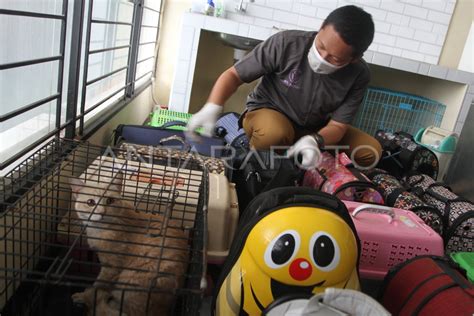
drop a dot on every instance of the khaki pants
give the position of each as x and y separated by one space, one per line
267 127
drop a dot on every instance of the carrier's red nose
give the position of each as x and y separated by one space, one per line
300 269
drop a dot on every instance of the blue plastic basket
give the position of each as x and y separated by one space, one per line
396 111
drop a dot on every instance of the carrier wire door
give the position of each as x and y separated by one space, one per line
133 242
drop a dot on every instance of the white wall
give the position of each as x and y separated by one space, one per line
467 59
413 29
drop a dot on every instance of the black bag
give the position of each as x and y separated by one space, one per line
155 136
255 172
402 155
227 126
458 213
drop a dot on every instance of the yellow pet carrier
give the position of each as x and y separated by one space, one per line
290 241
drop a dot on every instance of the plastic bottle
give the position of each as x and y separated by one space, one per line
219 9
209 8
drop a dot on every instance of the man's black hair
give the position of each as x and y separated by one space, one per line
354 25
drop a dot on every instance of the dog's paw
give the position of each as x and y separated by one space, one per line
78 297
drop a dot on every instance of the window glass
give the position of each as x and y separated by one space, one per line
150 17
148 34
24 129
153 4
104 63
144 67
146 51
39 6
109 36
21 86
25 38
98 91
116 11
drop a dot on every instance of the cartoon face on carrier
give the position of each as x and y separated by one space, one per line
295 250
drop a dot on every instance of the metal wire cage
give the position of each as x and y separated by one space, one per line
92 230
394 111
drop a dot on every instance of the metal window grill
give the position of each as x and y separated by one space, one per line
77 81
145 65
139 241
57 97
394 111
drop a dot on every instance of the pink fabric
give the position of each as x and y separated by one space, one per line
337 174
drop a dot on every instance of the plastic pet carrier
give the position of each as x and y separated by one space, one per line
395 111
86 232
222 202
465 261
402 155
159 117
390 236
275 253
441 142
397 196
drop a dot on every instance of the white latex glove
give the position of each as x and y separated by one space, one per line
205 118
308 148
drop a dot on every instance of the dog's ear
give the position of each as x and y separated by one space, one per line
117 182
76 186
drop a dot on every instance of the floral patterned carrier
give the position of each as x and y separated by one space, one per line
402 155
457 212
334 177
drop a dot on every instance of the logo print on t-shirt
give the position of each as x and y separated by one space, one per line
293 78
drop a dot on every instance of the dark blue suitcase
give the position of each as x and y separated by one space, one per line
227 126
154 136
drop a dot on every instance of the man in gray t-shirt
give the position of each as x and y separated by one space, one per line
312 84
290 86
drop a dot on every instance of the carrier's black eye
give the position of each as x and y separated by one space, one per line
90 202
325 251
282 249
109 201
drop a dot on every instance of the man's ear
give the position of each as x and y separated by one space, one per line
356 59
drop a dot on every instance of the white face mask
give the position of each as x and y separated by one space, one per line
318 64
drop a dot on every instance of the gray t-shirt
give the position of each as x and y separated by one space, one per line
290 86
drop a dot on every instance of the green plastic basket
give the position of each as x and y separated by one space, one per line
161 116
465 261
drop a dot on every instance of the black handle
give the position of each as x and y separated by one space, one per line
173 123
405 134
294 195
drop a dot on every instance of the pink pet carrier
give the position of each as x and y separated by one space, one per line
333 177
390 236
